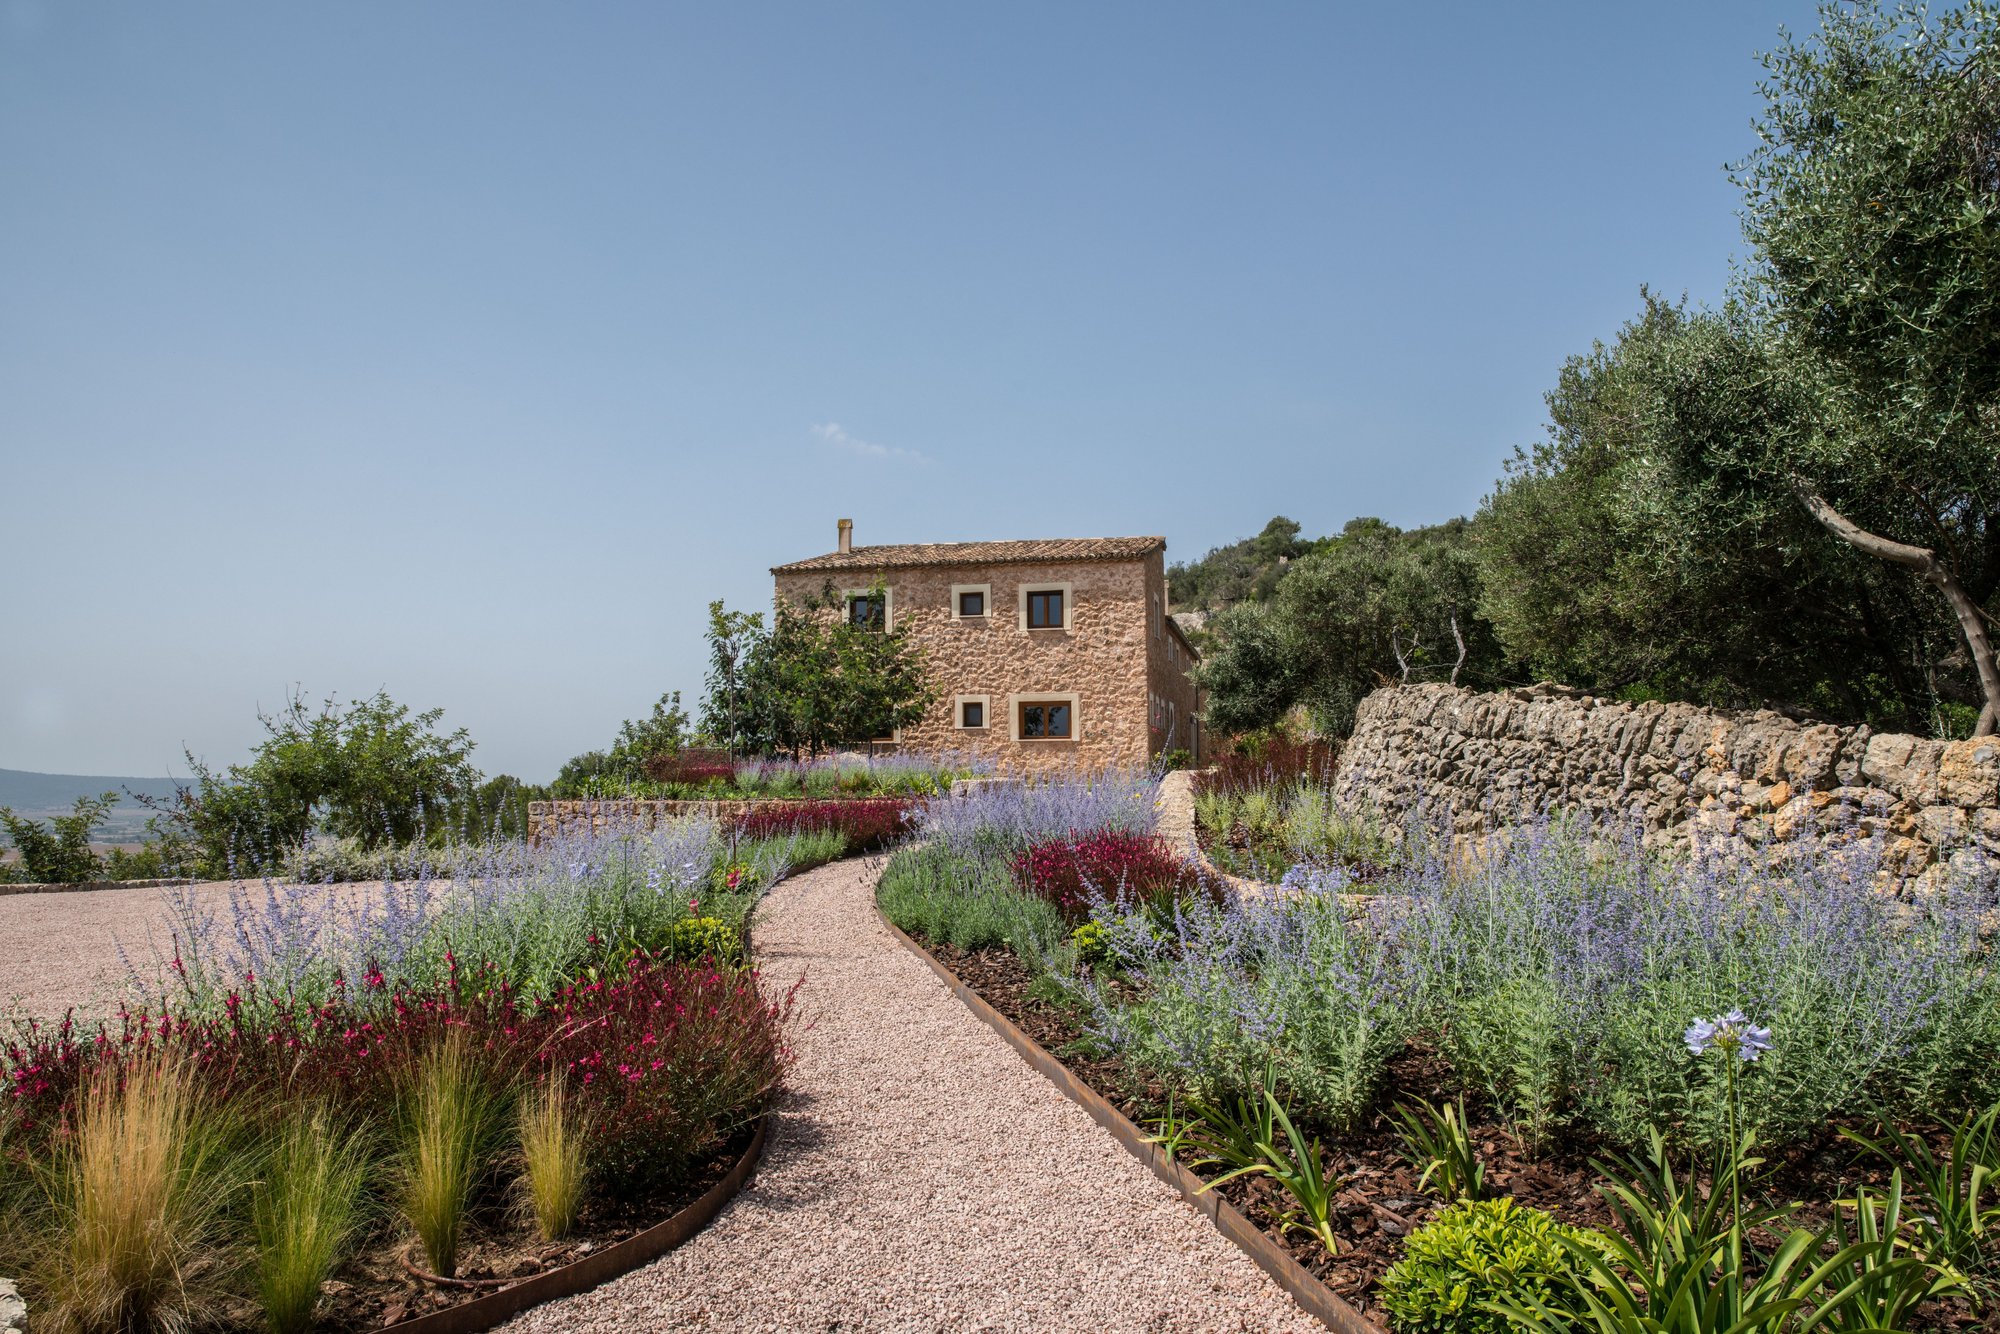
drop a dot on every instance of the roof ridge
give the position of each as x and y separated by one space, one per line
1002 551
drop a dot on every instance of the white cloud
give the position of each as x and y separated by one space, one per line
832 433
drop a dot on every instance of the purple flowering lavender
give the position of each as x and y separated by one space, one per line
1018 814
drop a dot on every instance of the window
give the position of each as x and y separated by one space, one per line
1045 721
1046 606
1044 717
868 610
972 713
971 602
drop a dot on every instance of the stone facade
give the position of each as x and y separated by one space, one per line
1118 660
1754 779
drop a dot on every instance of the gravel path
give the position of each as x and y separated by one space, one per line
921 1177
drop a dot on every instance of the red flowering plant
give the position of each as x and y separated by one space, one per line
866 824
666 1061
665 1058
1073 871
1275 761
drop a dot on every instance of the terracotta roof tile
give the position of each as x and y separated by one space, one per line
1033 551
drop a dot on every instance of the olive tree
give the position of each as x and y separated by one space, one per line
1873 298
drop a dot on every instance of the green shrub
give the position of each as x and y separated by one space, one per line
1092 947
702 937
1473 1253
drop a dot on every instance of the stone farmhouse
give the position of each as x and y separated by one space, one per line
1047 654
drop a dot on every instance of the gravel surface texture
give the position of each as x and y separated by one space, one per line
64 949
921 1177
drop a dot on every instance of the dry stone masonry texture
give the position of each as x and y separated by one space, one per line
1486 761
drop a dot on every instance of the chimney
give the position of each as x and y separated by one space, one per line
846 536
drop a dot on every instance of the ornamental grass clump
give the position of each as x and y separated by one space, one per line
449 1118
306 1212
135 1199
554 1157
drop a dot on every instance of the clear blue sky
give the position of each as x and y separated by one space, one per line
470 349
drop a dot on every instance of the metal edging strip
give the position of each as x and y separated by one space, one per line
483 1313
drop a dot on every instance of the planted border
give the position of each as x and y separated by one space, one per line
493 1308
1313 1296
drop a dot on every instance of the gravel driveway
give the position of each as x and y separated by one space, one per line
69 949
62 950
921 1177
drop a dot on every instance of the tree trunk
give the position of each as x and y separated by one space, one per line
1939 575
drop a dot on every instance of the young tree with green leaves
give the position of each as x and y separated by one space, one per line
370 771
815 680
731 636
611 771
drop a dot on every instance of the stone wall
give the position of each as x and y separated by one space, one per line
1686 773
547 817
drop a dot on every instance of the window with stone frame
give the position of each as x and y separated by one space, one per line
1045 609
870 611
1046 720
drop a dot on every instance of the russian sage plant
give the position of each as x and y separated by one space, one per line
1560 967
1299 988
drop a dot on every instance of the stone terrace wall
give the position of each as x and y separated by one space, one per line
1491 760
546 817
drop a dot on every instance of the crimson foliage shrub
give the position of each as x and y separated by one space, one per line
1273 762
1068 871
693 766
867 825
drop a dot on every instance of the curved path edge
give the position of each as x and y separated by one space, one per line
495 1308
1313 1296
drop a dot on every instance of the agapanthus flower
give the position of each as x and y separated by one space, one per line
1731 1032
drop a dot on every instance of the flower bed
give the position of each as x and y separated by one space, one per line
1551 988
337 1114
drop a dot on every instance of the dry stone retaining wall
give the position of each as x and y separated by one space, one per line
1685 773
625 813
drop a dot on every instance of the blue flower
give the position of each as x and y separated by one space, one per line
1730 1032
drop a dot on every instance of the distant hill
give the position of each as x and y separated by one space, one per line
39 796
